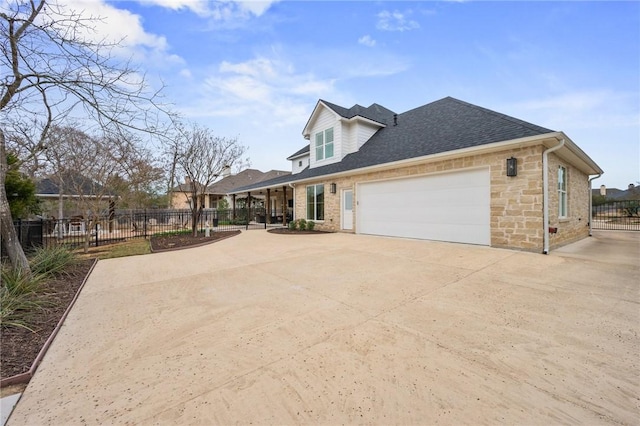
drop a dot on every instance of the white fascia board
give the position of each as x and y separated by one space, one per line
576 156
571 152
304 154
364 119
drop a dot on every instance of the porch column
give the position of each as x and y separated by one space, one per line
234 206
268 212
248 206
284 205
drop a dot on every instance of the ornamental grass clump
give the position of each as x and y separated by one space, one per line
19 296
302 224
310 225
52 261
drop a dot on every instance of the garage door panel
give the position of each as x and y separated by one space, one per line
448 207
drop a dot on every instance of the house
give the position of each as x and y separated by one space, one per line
632 193
446 171
70 195
219 190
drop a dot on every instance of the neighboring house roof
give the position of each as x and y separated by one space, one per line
629 194
441 126
611 192
73 186
244 178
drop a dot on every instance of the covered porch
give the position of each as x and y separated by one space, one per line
272 205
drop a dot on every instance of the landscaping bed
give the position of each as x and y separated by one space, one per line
21 346
295 231
166 242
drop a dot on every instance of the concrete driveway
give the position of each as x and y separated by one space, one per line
276 329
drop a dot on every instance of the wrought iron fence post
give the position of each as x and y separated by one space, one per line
20 232
96 229
145 223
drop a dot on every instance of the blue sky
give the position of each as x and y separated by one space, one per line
255 70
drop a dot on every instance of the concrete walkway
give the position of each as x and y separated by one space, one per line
329 329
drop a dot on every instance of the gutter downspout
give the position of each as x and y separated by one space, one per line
591 202
545 199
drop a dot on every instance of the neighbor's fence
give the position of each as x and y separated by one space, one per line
616 215
128 224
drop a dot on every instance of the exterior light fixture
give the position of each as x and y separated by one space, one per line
332 188
512 166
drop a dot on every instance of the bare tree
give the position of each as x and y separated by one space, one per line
55 68
202 156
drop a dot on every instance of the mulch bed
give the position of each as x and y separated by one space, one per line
180 241
20 346
295 232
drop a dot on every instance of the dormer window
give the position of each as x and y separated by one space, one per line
324 144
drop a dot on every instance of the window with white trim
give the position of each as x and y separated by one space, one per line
315 202
562 192
324 144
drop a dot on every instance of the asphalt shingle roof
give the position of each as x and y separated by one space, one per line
244 178
441 126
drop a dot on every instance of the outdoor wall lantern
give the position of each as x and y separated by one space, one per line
332 188
512 166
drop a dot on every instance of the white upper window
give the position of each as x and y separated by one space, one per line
324 144
562 192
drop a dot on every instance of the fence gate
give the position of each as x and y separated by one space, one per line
617 215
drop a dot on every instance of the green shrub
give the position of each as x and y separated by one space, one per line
51 261
310 225
292 225
18 297
302 224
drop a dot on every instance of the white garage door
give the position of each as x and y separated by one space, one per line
445 207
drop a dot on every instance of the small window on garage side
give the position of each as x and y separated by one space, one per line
315 202
562 192
300 163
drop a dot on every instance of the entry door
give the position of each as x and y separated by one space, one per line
347 209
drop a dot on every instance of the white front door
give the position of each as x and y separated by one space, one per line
347 209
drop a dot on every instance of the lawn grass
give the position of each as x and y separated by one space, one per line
132 247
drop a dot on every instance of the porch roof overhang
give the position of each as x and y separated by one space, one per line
570 152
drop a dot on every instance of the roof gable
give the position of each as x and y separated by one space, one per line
374 112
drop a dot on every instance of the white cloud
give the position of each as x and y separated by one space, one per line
267 89
114 25
221 10
396 21
367 41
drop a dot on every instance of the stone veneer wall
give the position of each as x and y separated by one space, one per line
576 225
516 202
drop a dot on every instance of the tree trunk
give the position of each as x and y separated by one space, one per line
8 235
195 218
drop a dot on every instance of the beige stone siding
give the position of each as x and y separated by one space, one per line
516 202
576 225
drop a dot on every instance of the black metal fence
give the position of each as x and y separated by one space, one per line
616 215
127 224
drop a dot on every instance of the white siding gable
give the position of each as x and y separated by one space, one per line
348 136
298 164
325 120
363 133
